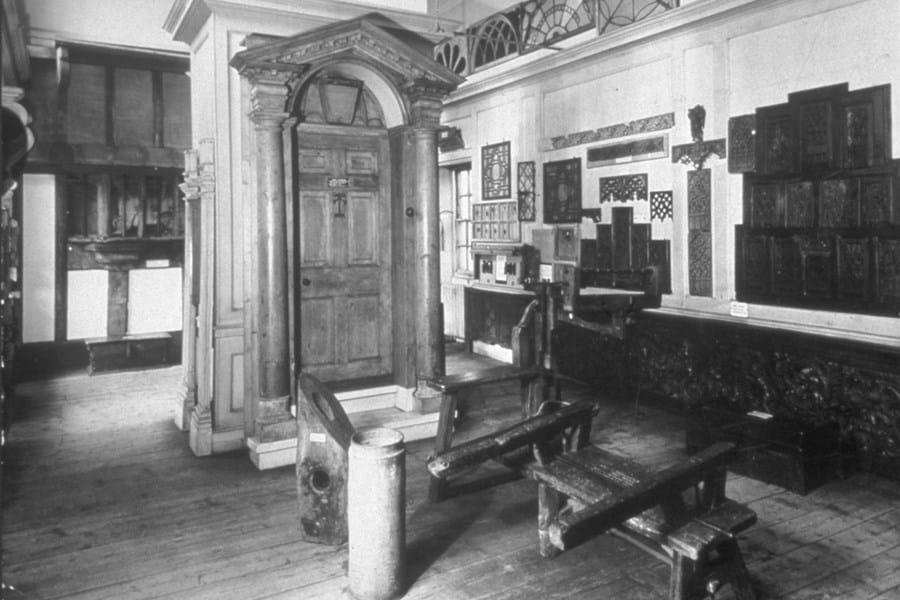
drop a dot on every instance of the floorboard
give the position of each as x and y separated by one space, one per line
103 500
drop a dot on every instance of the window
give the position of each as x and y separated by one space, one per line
462 198
120 202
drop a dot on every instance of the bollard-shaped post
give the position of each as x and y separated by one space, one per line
376 514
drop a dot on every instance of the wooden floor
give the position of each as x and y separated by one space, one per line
104 500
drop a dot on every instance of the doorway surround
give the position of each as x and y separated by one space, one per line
409 87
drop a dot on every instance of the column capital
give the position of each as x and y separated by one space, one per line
426 99
271 85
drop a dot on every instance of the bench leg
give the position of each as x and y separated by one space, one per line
682 577
736 571
689 576
549 501
442 442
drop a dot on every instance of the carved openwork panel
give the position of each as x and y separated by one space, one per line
853 268
888 257
700 262
753 282
839 203
525 188
785 267
640 245
816 137
817 266
878 203
800 204
776 141
623 188
764 206
742 144
857 142
661 206
604 247
622 218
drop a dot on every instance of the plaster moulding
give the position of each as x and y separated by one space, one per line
187 17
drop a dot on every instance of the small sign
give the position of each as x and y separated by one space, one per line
546 272
317 437
500 270
760 414
739 309
338 182
160 263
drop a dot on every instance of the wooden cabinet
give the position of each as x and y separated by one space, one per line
821 225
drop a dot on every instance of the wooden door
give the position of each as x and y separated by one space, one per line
344 263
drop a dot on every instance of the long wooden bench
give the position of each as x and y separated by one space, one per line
130 351
455 389
679 514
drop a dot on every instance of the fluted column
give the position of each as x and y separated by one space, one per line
427 308
187 396
271 411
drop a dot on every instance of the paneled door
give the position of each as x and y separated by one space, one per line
343 241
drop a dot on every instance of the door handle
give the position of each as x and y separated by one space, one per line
305 281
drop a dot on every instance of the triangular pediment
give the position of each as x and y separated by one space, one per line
373 39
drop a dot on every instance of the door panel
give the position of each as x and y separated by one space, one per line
344 275
315 245
363 235
317 325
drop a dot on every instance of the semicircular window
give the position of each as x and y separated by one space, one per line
495 39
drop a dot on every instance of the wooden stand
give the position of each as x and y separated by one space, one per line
585 491
323 439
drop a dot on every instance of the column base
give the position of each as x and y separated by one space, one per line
185 401
274 454
427 399
201 441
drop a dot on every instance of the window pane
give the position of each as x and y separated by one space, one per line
176 110
133 107
86 105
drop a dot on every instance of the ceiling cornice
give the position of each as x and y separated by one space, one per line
187 17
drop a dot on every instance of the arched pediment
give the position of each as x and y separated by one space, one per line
372 42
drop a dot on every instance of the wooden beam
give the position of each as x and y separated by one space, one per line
644 495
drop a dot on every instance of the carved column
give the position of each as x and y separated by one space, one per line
271 413
425 119
200 190
199 180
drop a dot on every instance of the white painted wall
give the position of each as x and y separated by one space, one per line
154 300
135 23
87 304
38 257
754 56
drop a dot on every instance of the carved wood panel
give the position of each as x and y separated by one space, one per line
823 206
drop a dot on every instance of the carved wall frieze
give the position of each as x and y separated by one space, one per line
743 369
646 125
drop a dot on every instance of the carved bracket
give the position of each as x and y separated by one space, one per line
697 153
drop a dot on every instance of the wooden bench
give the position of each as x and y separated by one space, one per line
679 514
455 389
128 351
